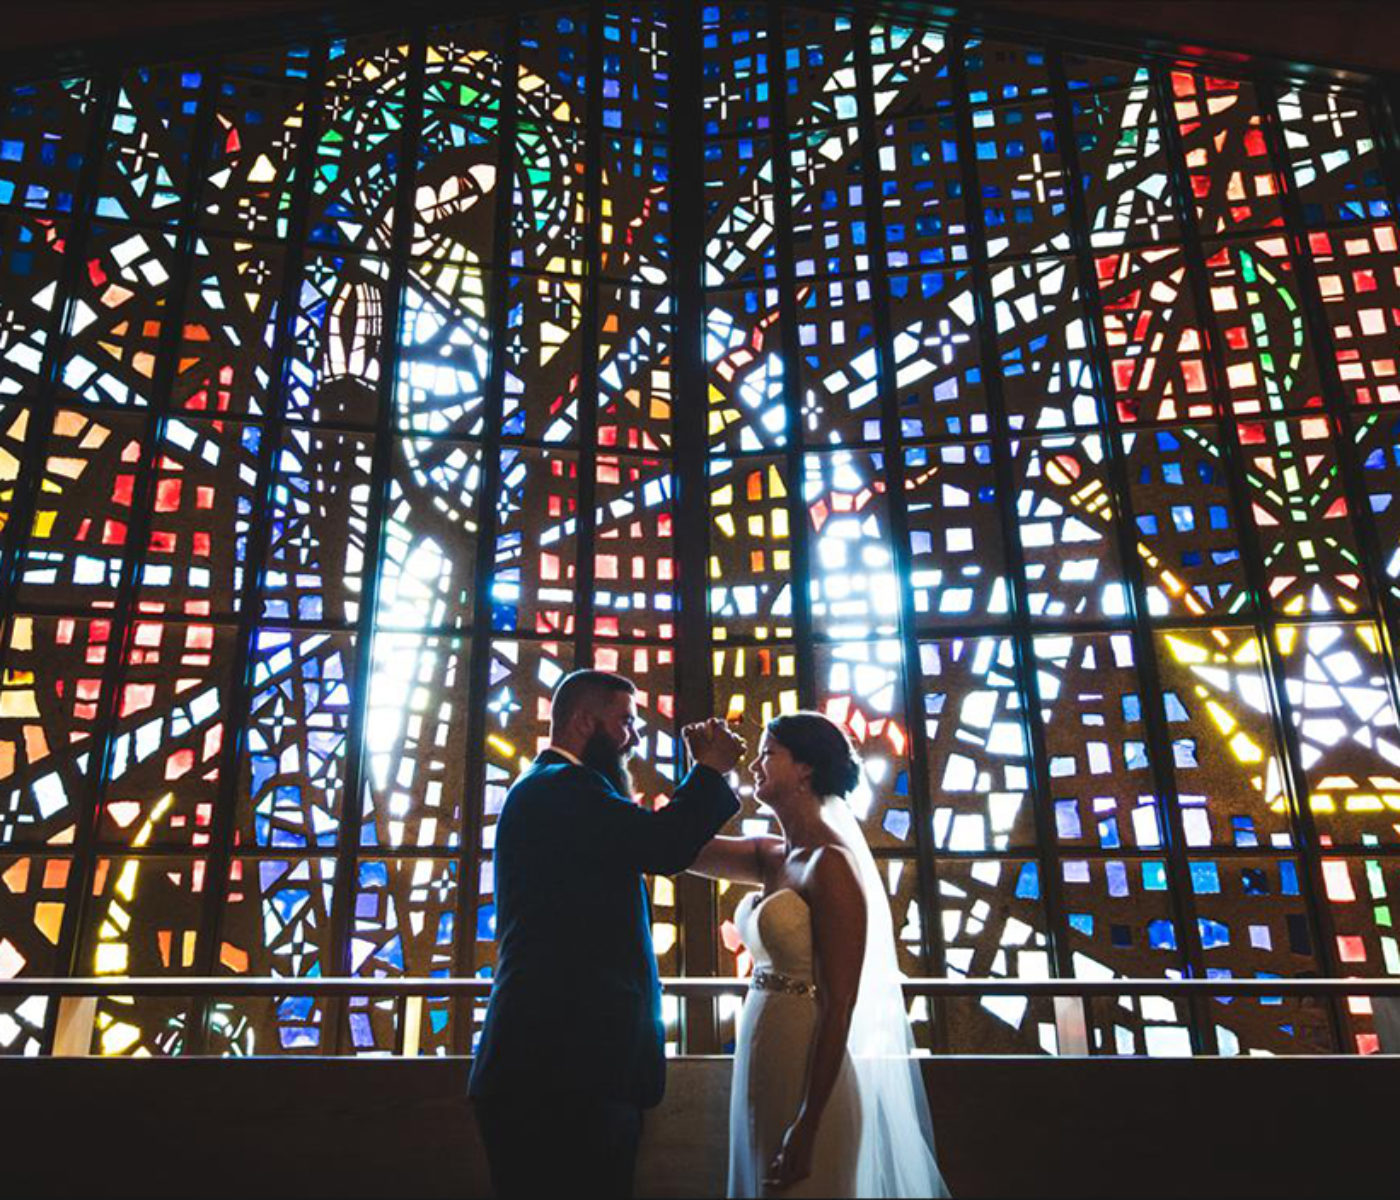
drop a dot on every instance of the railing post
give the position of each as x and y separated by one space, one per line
72 1035
1072 1025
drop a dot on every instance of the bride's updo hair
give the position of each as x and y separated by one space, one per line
821 744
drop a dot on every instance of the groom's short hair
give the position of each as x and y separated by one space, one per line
581 689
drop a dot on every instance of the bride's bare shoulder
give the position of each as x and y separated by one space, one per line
828 870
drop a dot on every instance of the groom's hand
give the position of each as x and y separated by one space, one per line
713 744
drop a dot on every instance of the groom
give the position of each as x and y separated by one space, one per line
573 1047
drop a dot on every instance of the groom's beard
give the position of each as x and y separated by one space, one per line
605 758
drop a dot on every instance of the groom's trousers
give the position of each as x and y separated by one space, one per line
567 1143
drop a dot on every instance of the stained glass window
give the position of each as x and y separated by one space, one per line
1027 412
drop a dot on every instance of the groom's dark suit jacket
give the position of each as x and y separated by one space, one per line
576 1006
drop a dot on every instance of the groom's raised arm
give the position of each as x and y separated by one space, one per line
664 841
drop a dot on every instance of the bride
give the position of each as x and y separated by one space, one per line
827 1099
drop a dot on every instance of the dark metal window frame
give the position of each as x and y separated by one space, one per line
694 685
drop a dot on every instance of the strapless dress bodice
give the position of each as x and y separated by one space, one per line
777 929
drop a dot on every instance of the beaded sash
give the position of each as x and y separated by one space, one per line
765 980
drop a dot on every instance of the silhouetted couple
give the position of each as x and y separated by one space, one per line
827 1099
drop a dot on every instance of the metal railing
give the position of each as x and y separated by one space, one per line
1072 997
233 988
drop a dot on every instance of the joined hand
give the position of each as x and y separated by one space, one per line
713 744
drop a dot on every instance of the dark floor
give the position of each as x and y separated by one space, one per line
395 1127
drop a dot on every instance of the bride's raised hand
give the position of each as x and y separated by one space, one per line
793 1162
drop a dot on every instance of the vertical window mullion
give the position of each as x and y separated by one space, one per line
1264 624
930 901
122 615
694 667
791 356
1144 645
1383 608
1002 438
19 527
238 715
479 664
15 539
381 478
587 517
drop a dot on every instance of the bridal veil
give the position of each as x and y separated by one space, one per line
896 1146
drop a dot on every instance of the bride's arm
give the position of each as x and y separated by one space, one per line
740 859
838 945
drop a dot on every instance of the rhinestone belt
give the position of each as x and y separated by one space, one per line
765 980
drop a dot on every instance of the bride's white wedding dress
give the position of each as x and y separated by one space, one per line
770 1059
875 1137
